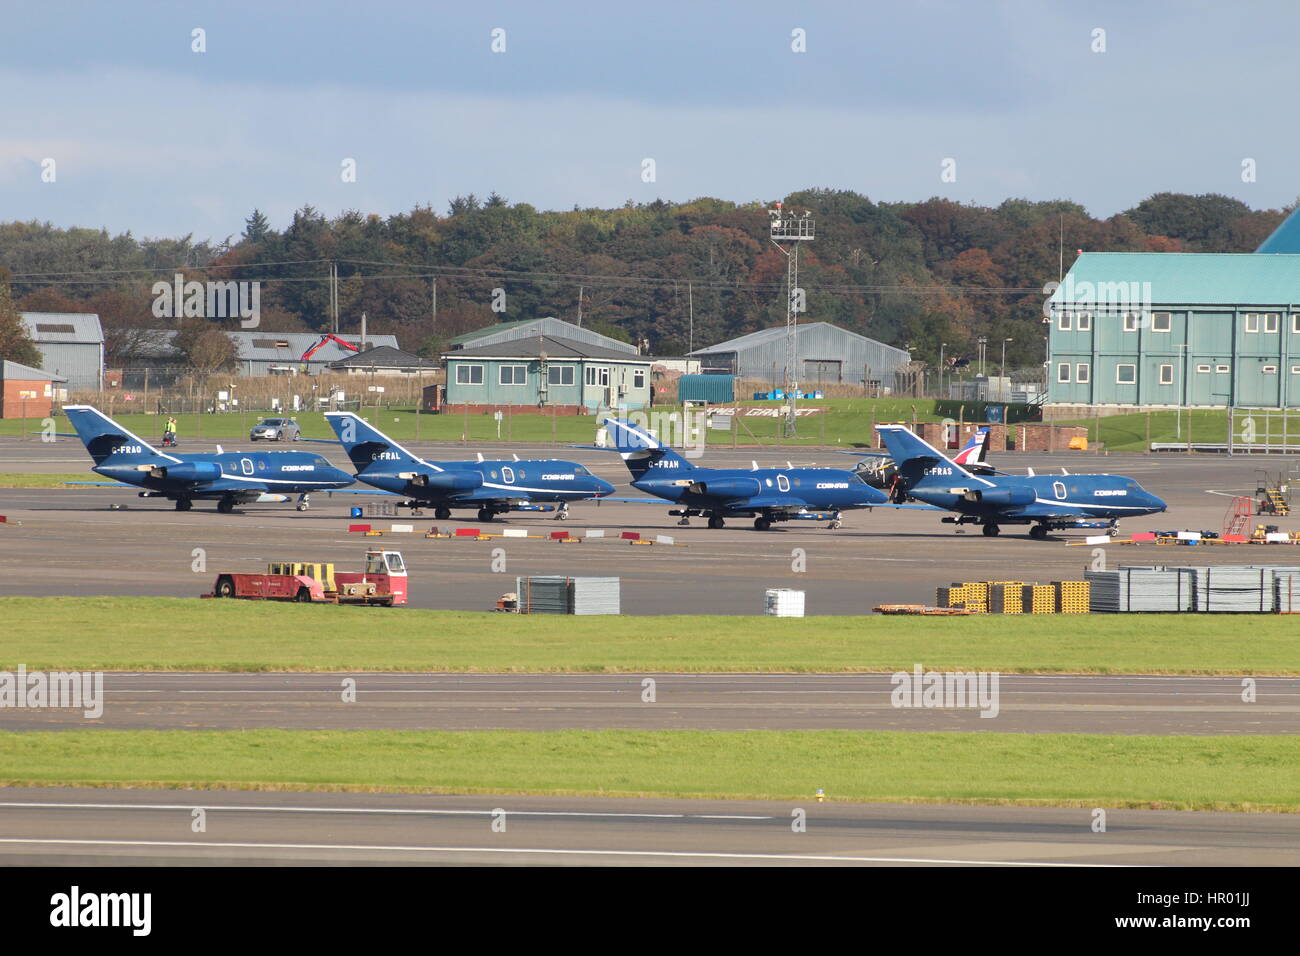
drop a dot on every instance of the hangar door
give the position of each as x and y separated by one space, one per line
822 371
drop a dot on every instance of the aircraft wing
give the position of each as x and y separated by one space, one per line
769 503
909 507
637 501
101 484
365 491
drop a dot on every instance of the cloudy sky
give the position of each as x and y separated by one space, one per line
150 136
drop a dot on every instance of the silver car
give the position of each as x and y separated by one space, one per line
275 429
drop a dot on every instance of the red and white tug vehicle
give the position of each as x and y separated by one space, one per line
382 583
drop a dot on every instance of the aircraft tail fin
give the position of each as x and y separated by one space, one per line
976 449
641 450
107 441
365 443
919 462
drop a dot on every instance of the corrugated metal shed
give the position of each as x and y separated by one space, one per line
827 354
71 344
532 328
1181 278
706 388
1285 238
17 372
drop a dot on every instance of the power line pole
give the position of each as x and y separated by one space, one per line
690 304
787 227
435 304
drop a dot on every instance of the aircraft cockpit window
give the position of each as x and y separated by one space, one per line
580 470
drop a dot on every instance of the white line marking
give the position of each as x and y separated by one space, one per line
678 854
392 810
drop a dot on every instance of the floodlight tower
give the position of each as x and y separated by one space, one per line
787 227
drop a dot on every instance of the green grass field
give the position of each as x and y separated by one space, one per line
190 634
847 422
1205 773
43 481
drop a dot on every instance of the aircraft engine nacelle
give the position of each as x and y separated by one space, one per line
188 471
727 488
451 480
1014 495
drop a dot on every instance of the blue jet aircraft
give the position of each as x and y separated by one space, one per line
1046 503
493 487
764 494
229 478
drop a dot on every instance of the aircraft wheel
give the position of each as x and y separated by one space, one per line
1113 531
1038 532
715 522
762 524
226 506
302 506
184 504
485 514
991 530
442 514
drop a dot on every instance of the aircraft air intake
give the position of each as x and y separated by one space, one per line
1014 495
727 487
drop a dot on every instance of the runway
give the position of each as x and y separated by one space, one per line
64 827
62 541
1025 704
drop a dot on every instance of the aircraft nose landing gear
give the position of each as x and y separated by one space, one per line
562 514
835 523
303 503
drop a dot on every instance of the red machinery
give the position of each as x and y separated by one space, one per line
382 583
328 337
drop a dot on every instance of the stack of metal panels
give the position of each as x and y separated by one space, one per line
1286 591
1239 590
561 595
1142 589
784 602
544 595
595 596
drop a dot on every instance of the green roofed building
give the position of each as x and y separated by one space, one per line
1134 330
545 373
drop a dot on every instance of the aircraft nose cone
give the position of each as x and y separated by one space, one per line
603 488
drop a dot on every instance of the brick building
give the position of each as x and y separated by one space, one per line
27 392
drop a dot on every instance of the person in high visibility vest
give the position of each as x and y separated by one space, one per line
169 432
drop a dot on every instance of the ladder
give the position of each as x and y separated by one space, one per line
1239 512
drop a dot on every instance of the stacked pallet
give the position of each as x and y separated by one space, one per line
1072 597
1005 597
1038 598
545 594
1131 589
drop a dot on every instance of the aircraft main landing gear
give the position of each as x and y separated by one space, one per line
442 514
184 504
716 522
991 530
1038 532
486 514
762 524
226 505
684 521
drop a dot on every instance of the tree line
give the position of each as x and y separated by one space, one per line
667 274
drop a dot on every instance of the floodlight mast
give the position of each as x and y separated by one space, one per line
792 228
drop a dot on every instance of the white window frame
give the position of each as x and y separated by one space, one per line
463 367
1083 322
1170 379
1063 322
1222 369
1251 326
1083 373
1063 373
1272 322
551 376
514 369
1156 321
1295 322
1295 369
638 378
1203 369
1134 373
597 375
1269 370
1131 321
